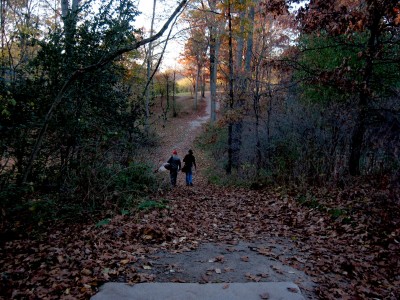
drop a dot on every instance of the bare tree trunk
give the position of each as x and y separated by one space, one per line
155 69
203 84
167 88
257 89
70 15
75 6
2 28
174 114
231 95
241 79
239 90
214 49
240 42
356 145
196 88
214 52
64 8
149 59
360 126
257 125
249 50
256 108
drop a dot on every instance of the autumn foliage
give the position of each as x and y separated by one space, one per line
302 147
345 239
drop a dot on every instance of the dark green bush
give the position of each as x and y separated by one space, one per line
133 182
147 204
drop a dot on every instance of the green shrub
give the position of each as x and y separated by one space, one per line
137 179
178 109
147 204
309 201
213 141
28 215
103 222
100 182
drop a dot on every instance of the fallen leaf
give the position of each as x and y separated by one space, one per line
179 280
264 296
220 259
147 237
204 279
146 277
264 251
253 277
277 269
86 272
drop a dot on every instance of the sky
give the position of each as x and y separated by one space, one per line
163 11
165 8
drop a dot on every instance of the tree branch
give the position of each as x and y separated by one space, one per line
78 73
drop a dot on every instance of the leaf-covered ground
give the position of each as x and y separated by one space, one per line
347 240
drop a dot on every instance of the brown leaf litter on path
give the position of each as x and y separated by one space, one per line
178 133
353 256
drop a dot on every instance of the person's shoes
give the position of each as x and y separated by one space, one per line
187 184
191 184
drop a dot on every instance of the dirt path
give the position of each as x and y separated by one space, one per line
216 234
218 253
207 233
179 133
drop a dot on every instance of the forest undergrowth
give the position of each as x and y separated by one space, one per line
347 238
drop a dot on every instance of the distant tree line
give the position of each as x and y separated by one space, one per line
72 110
311 91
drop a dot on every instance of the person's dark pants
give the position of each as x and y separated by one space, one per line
173 175
189 177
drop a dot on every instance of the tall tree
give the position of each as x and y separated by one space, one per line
214 26
244 42
196 47
103 61
368 31
70 19
231 89
149 68
3 9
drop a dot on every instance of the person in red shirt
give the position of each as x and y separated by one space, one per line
175 163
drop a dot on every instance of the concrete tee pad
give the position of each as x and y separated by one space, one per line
196 291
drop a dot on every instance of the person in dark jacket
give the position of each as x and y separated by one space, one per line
190 162
175 163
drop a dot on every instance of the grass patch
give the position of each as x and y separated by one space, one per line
213 142
148 205
184 94
310 201
103 222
